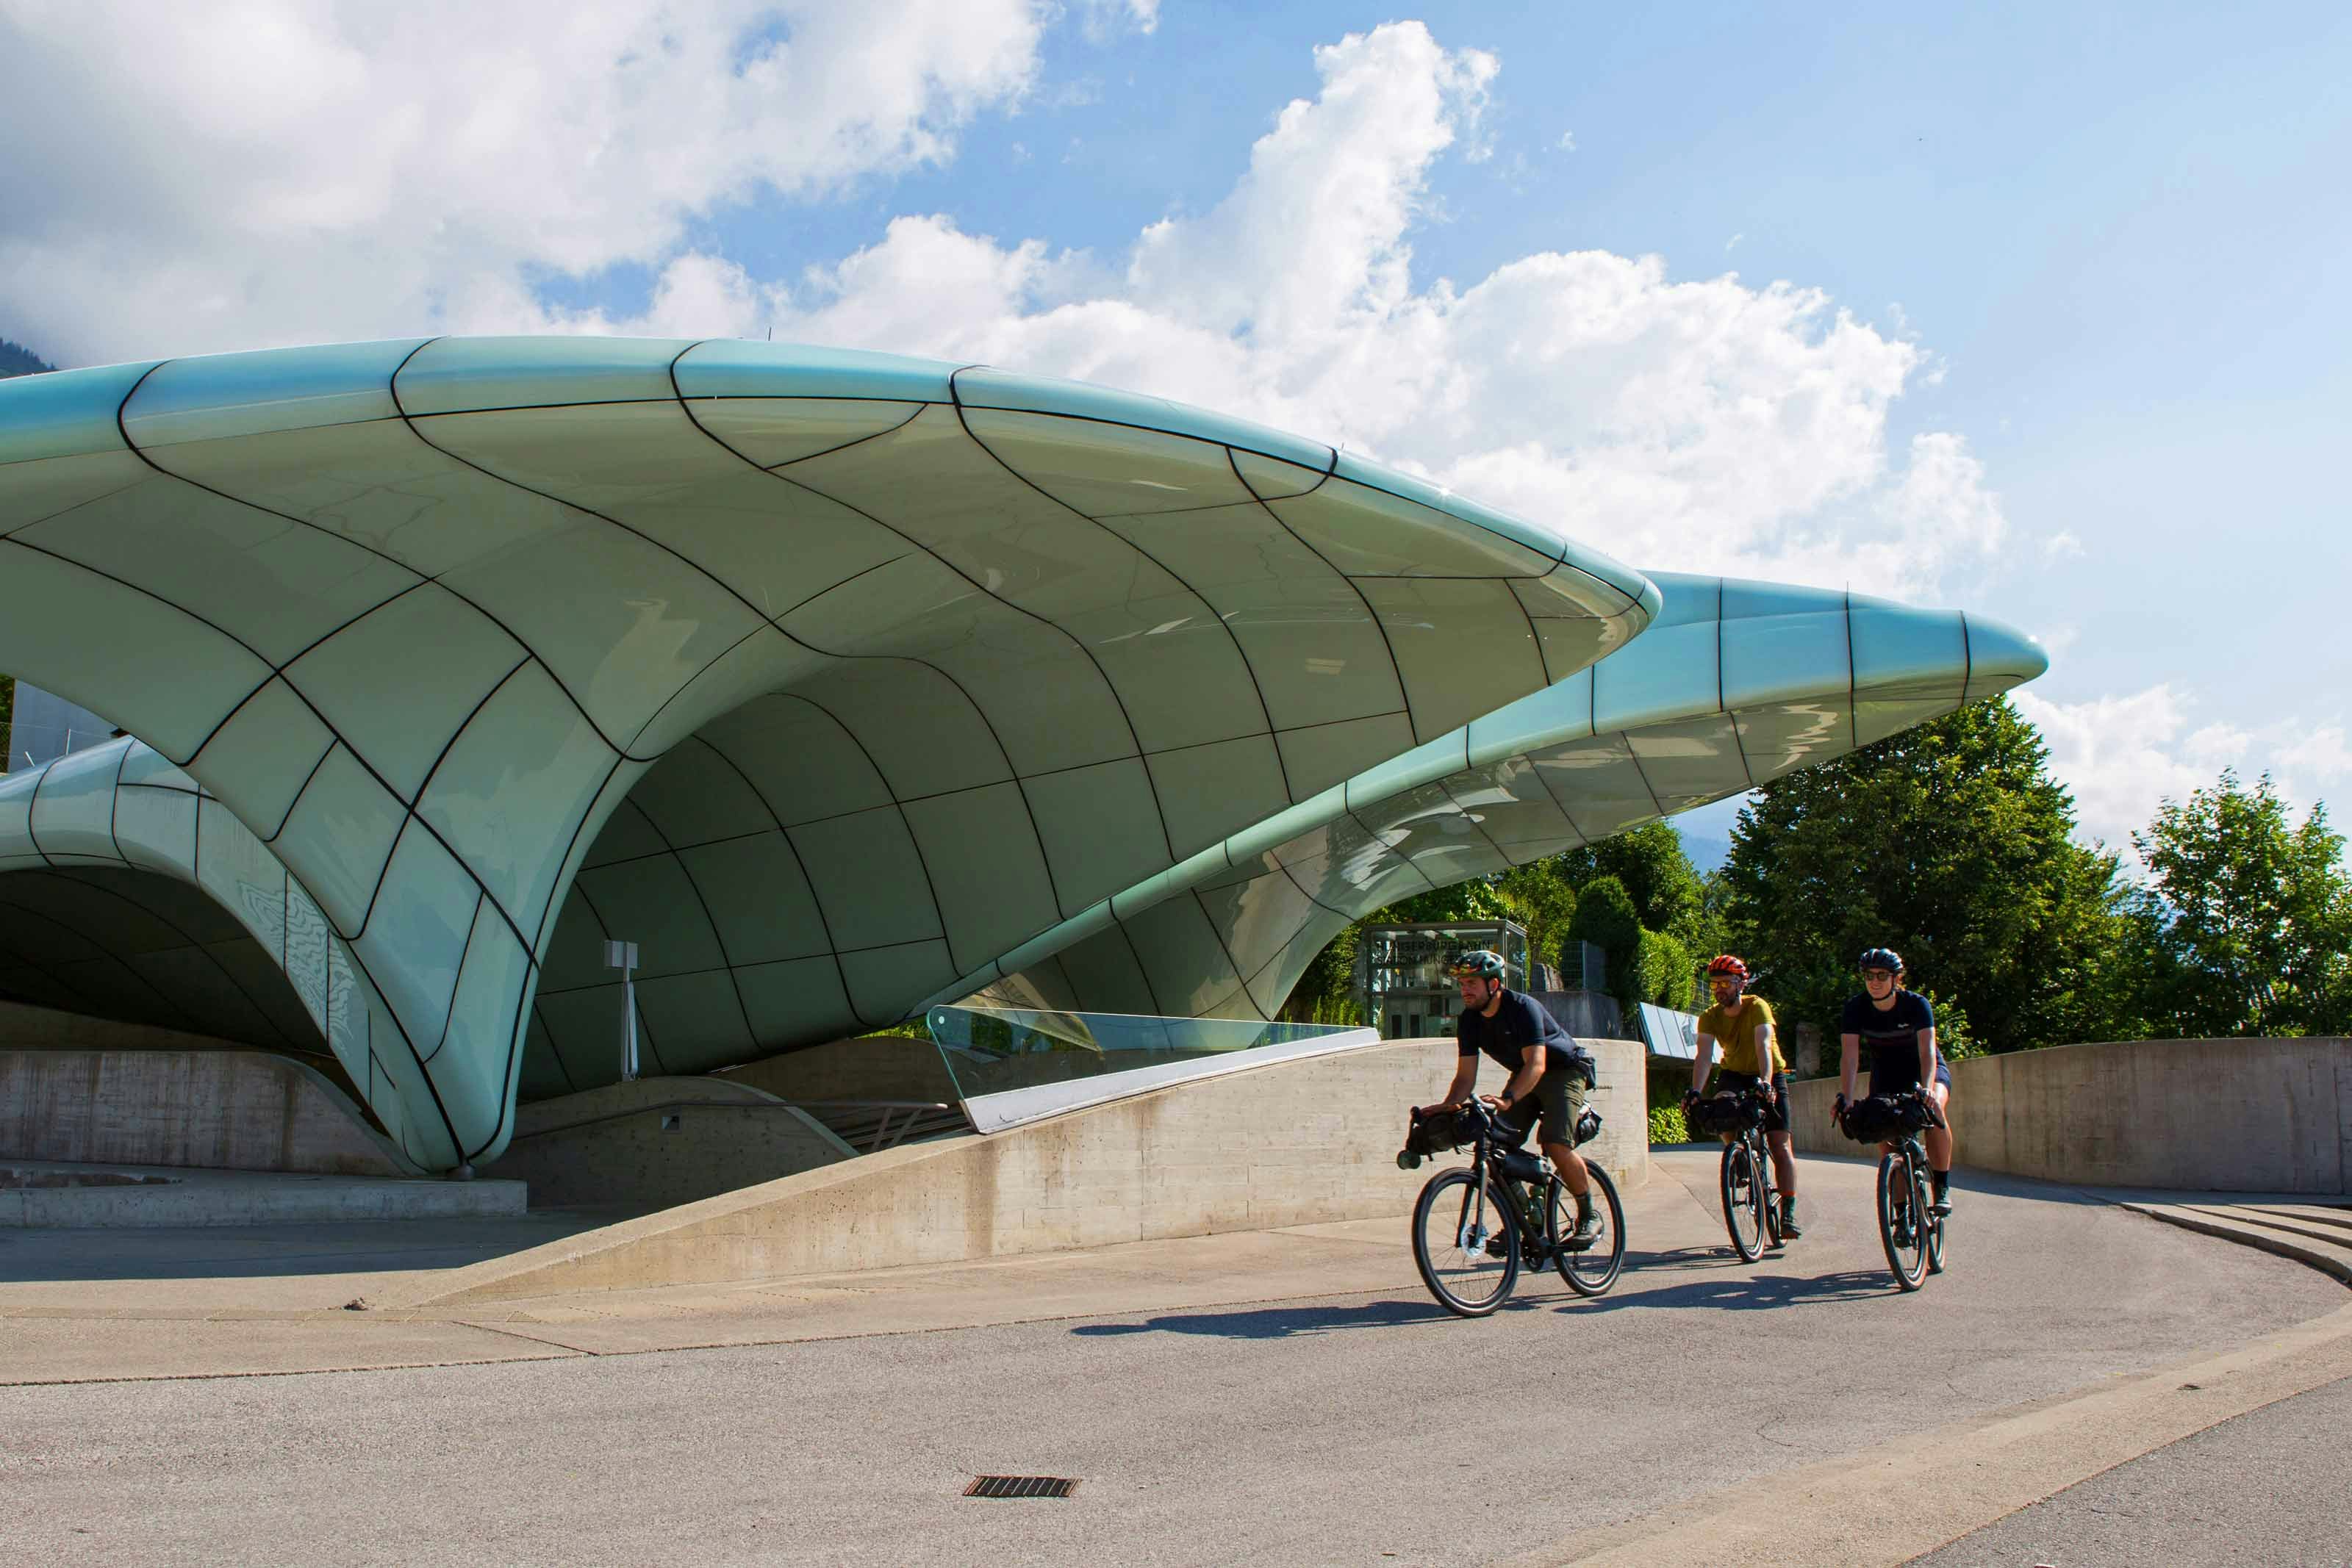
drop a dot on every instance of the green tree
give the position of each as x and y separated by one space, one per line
1605 917
1951 843
2255 915
1477 899
1649 863
1542 900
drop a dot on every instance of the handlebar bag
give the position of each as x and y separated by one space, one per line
1719 1113
1437 1132
1881 1117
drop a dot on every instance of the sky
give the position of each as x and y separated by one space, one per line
2036 310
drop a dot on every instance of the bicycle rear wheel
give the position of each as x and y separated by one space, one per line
1467 1251
1591 1272
1936 1226
1902 1218
1743 1200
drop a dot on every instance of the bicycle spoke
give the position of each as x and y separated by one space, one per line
1464 1243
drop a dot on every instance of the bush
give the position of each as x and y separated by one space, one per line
1667 1126
1663 968
1954 1036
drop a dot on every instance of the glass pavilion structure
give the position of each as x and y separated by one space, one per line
845 685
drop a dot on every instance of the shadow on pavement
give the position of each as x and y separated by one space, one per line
1278 1323
1745 1292
231 1251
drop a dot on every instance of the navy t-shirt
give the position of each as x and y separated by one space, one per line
1893 1034
1520 1022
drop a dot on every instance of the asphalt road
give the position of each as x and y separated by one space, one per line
2271 1487
1366 1428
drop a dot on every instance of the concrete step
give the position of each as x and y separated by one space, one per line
2286 1222
2274 1230
2338 1215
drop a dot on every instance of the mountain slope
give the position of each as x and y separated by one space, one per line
18 361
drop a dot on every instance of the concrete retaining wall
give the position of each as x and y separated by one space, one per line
97 1091
1291 1143
2216 1115
660 1141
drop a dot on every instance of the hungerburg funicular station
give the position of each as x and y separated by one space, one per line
851 689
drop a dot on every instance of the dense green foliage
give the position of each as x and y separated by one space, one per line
1951 843
2249 917
1605 916
1648 862
1667 1126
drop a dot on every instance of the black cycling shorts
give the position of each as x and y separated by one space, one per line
1558 1099
1776 1114
1896 1069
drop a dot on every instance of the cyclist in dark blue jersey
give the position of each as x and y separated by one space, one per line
1550 1072
1899 1029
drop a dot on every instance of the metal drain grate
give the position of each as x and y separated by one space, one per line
1020 1486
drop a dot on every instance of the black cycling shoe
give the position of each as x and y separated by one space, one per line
1942 1205
1587 1231
1790 1228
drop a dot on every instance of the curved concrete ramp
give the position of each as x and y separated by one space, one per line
658 1141
1294 1142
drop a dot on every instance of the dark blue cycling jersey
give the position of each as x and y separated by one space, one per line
1890 1038
1520 1022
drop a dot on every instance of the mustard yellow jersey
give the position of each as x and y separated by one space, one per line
1734 1031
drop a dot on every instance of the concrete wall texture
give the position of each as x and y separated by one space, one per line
660 1141
2217 1115
225 1110
1294 1142
92 1091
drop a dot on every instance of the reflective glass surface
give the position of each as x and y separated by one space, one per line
992 1050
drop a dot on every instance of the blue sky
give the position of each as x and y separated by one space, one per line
2097 248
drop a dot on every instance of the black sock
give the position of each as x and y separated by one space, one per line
1943 1180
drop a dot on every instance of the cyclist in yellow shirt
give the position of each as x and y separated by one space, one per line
1742 1025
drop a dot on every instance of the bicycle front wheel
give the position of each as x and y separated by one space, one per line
1903 1220
1464 1243
1592 1271
1743 1200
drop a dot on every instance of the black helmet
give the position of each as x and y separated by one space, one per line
1886 959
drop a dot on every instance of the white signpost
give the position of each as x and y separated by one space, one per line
623 956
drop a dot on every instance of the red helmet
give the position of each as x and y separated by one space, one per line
1727 964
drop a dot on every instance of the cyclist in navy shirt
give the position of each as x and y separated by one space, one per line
1899 1028
1550 1072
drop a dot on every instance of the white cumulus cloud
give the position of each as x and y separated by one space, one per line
282 171
414 170
1706 423
2125 755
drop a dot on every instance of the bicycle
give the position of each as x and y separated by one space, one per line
1751 1193
1471 1227
1910 1228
